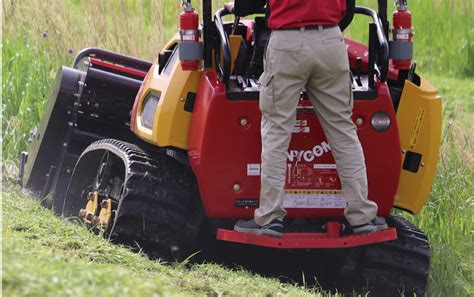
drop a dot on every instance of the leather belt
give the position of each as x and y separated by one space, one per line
319 27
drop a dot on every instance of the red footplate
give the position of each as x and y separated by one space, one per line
307 240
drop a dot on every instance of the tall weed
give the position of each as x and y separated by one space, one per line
447 218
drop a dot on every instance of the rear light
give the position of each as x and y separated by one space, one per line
149 110
380 121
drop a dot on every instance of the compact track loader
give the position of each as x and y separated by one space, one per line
152 154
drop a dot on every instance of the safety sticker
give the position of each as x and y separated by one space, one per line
301 126
325 166
416 130
253 169
314 199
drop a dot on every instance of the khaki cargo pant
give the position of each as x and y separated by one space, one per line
317 60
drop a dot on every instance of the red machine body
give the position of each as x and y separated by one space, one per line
402 31
225 148
189 33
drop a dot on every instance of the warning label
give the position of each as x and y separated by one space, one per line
314 199
324 166
301 127
417 128
253 169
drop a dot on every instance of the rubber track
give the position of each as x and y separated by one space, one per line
159 208
397 267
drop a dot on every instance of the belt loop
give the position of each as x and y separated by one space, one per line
320 28
302 29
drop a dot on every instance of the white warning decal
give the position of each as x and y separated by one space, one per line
253 169
314 199
301 126
325 166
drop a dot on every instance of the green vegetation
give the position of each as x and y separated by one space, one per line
43 255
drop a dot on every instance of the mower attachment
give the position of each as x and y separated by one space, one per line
318 240
89 102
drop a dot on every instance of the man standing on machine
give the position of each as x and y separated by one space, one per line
306 49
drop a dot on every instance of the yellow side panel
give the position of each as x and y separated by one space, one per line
419 118
171 121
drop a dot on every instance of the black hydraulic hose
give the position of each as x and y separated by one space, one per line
222 70
383 49
113 57
350 5
208 32
383 14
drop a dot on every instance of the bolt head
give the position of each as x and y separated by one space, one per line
359 121
236 187
244 122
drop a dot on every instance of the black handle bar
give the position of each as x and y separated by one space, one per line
383 51
222 70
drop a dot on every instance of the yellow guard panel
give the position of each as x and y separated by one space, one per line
419 119
171 121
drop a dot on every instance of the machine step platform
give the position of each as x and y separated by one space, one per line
318 240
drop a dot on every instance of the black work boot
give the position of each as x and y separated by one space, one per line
377 224
273 229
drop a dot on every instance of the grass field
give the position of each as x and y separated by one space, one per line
39 36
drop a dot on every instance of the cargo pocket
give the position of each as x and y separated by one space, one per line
286 46
266 103
333 40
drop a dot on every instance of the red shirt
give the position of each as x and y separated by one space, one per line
285 14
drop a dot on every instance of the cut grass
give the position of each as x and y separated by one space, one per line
45 256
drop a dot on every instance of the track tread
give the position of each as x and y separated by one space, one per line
397 267
160 207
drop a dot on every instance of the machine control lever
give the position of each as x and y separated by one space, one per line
358 71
